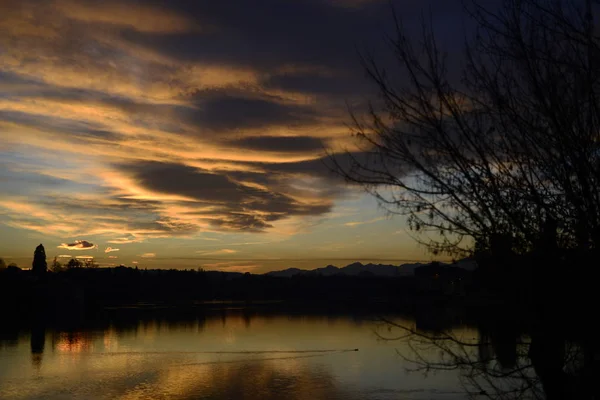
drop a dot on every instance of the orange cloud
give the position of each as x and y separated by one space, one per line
127 239
217 252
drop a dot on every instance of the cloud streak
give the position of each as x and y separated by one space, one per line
217 252
358 223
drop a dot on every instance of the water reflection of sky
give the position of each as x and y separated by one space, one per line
230 356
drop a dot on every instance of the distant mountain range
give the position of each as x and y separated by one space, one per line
359 269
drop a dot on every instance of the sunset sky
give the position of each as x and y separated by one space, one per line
185 134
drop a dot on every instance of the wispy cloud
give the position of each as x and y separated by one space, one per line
147 255
126 240
113 257
357 223
110 250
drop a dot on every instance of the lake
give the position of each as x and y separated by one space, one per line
227 353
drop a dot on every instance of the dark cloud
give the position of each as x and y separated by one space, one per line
340 84
290 144
235 206
320 171
270 33
325 173
185 181
220 110
78 245
323 166
240 222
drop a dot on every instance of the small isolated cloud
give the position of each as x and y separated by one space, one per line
356 223
113 257
134 262
64 256
78 245
110 249
148 255
85 257
217 252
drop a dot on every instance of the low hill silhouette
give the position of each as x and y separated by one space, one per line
359 269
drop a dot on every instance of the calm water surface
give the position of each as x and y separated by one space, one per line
229 355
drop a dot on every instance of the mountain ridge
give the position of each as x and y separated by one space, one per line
370 269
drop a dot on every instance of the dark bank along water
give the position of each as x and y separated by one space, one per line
227 356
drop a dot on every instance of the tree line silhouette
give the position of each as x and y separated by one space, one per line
78 290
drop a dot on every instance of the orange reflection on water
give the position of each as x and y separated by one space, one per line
110 340
73 342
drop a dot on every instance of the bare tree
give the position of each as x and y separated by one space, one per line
56 266
508 150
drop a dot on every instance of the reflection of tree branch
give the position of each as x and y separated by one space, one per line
481 376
